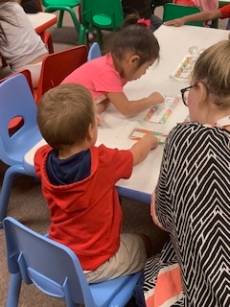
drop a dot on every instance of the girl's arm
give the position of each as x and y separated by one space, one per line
203 16
132 108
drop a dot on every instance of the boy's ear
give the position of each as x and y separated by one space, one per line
90 132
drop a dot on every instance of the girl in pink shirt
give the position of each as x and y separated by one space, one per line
134 48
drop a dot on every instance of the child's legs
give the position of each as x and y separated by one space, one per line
130 258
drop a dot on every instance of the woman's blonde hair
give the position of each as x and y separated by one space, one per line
213 68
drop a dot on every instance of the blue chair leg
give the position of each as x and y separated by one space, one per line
14 290
10 174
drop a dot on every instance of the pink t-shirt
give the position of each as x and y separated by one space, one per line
99 76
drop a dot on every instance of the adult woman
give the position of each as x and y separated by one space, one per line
192 199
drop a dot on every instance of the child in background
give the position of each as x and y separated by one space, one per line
20 45
31 6
143 8
78 181
223 12
202 4
133 49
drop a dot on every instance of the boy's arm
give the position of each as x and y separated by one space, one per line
132 108
141 148
202 16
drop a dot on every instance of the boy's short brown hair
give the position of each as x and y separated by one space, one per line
64 115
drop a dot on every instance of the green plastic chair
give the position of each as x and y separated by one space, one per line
101 15
173 11
70 7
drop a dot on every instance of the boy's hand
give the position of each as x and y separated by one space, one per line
150 139
175 22
141 148
155 98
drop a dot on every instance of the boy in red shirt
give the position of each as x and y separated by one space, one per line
223 12
78 181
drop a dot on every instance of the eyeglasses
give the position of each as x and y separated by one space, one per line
184 94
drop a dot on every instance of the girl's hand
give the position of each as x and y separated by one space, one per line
155 98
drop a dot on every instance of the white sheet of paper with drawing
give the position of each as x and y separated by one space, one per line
138 133
160 113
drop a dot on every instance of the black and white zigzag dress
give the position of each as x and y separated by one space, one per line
192 202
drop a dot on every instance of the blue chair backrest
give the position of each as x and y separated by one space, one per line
16 100
51 266
94 51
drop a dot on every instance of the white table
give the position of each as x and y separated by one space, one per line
115 129
42 21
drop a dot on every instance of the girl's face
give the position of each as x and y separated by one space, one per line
130 69
140 71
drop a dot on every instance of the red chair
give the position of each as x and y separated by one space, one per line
57 66
47 40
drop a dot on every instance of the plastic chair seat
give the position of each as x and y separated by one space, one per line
29 139
102 21
66 6
101 14
61 3
102 292
34 258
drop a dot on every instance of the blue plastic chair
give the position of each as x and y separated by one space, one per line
56 271
16 100
94 51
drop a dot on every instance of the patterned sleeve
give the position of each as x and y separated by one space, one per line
159 197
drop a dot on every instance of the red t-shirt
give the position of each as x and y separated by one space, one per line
86 215
225 11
